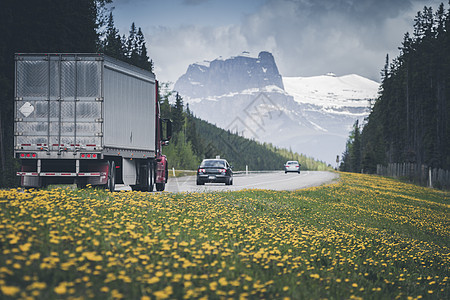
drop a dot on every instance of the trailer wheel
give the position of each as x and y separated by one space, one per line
111 184
81 182
150 175
160 186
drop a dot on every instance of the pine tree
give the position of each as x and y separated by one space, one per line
177 114
132 51
112 44
355 151
143 59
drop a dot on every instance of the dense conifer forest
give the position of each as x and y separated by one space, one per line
409 122
87 26
44 26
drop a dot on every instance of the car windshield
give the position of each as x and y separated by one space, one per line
213 163
292 163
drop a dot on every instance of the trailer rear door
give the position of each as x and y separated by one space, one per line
58 102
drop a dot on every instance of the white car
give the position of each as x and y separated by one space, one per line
292 166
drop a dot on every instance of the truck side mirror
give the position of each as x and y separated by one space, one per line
168 122
168 129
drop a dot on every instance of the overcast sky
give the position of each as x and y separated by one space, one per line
306 37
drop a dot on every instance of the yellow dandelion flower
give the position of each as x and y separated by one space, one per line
9 290
25 247
92 256
61 288
223 281
153 280
213 286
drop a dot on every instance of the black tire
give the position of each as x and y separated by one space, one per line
43 183
150 177
111 183
167 172
160 186
229 181
81 182
200 182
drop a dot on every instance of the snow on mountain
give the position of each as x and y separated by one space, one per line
248 96
332 91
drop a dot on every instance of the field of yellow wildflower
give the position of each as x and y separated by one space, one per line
363 237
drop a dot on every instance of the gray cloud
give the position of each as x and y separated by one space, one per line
194 2
307 37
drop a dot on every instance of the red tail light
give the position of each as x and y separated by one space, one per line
28 155
88 155
201 170
222 170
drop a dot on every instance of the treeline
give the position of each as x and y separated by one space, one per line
44 26
48 26
410 122
195 139
131 49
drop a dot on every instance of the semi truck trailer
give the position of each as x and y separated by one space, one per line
88 119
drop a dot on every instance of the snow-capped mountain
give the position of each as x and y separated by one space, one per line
310 115
223 76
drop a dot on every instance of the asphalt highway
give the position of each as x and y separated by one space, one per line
271 181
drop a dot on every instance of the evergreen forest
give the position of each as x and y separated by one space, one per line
409 122
87 26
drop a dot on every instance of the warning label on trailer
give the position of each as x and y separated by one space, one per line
26 109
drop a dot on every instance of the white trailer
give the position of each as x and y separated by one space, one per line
87 119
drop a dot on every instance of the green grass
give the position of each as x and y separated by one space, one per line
365 236
180 173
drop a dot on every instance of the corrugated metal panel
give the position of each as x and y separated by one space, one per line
83 99
57 100
129 108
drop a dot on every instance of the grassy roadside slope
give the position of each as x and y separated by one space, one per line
365 236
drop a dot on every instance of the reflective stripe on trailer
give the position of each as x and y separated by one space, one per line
91 174
26 174
59 174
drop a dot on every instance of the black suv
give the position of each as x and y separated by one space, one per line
214 170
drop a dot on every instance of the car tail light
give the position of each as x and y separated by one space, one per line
201 170
89 155
222 170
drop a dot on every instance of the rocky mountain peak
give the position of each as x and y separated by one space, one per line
224 76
